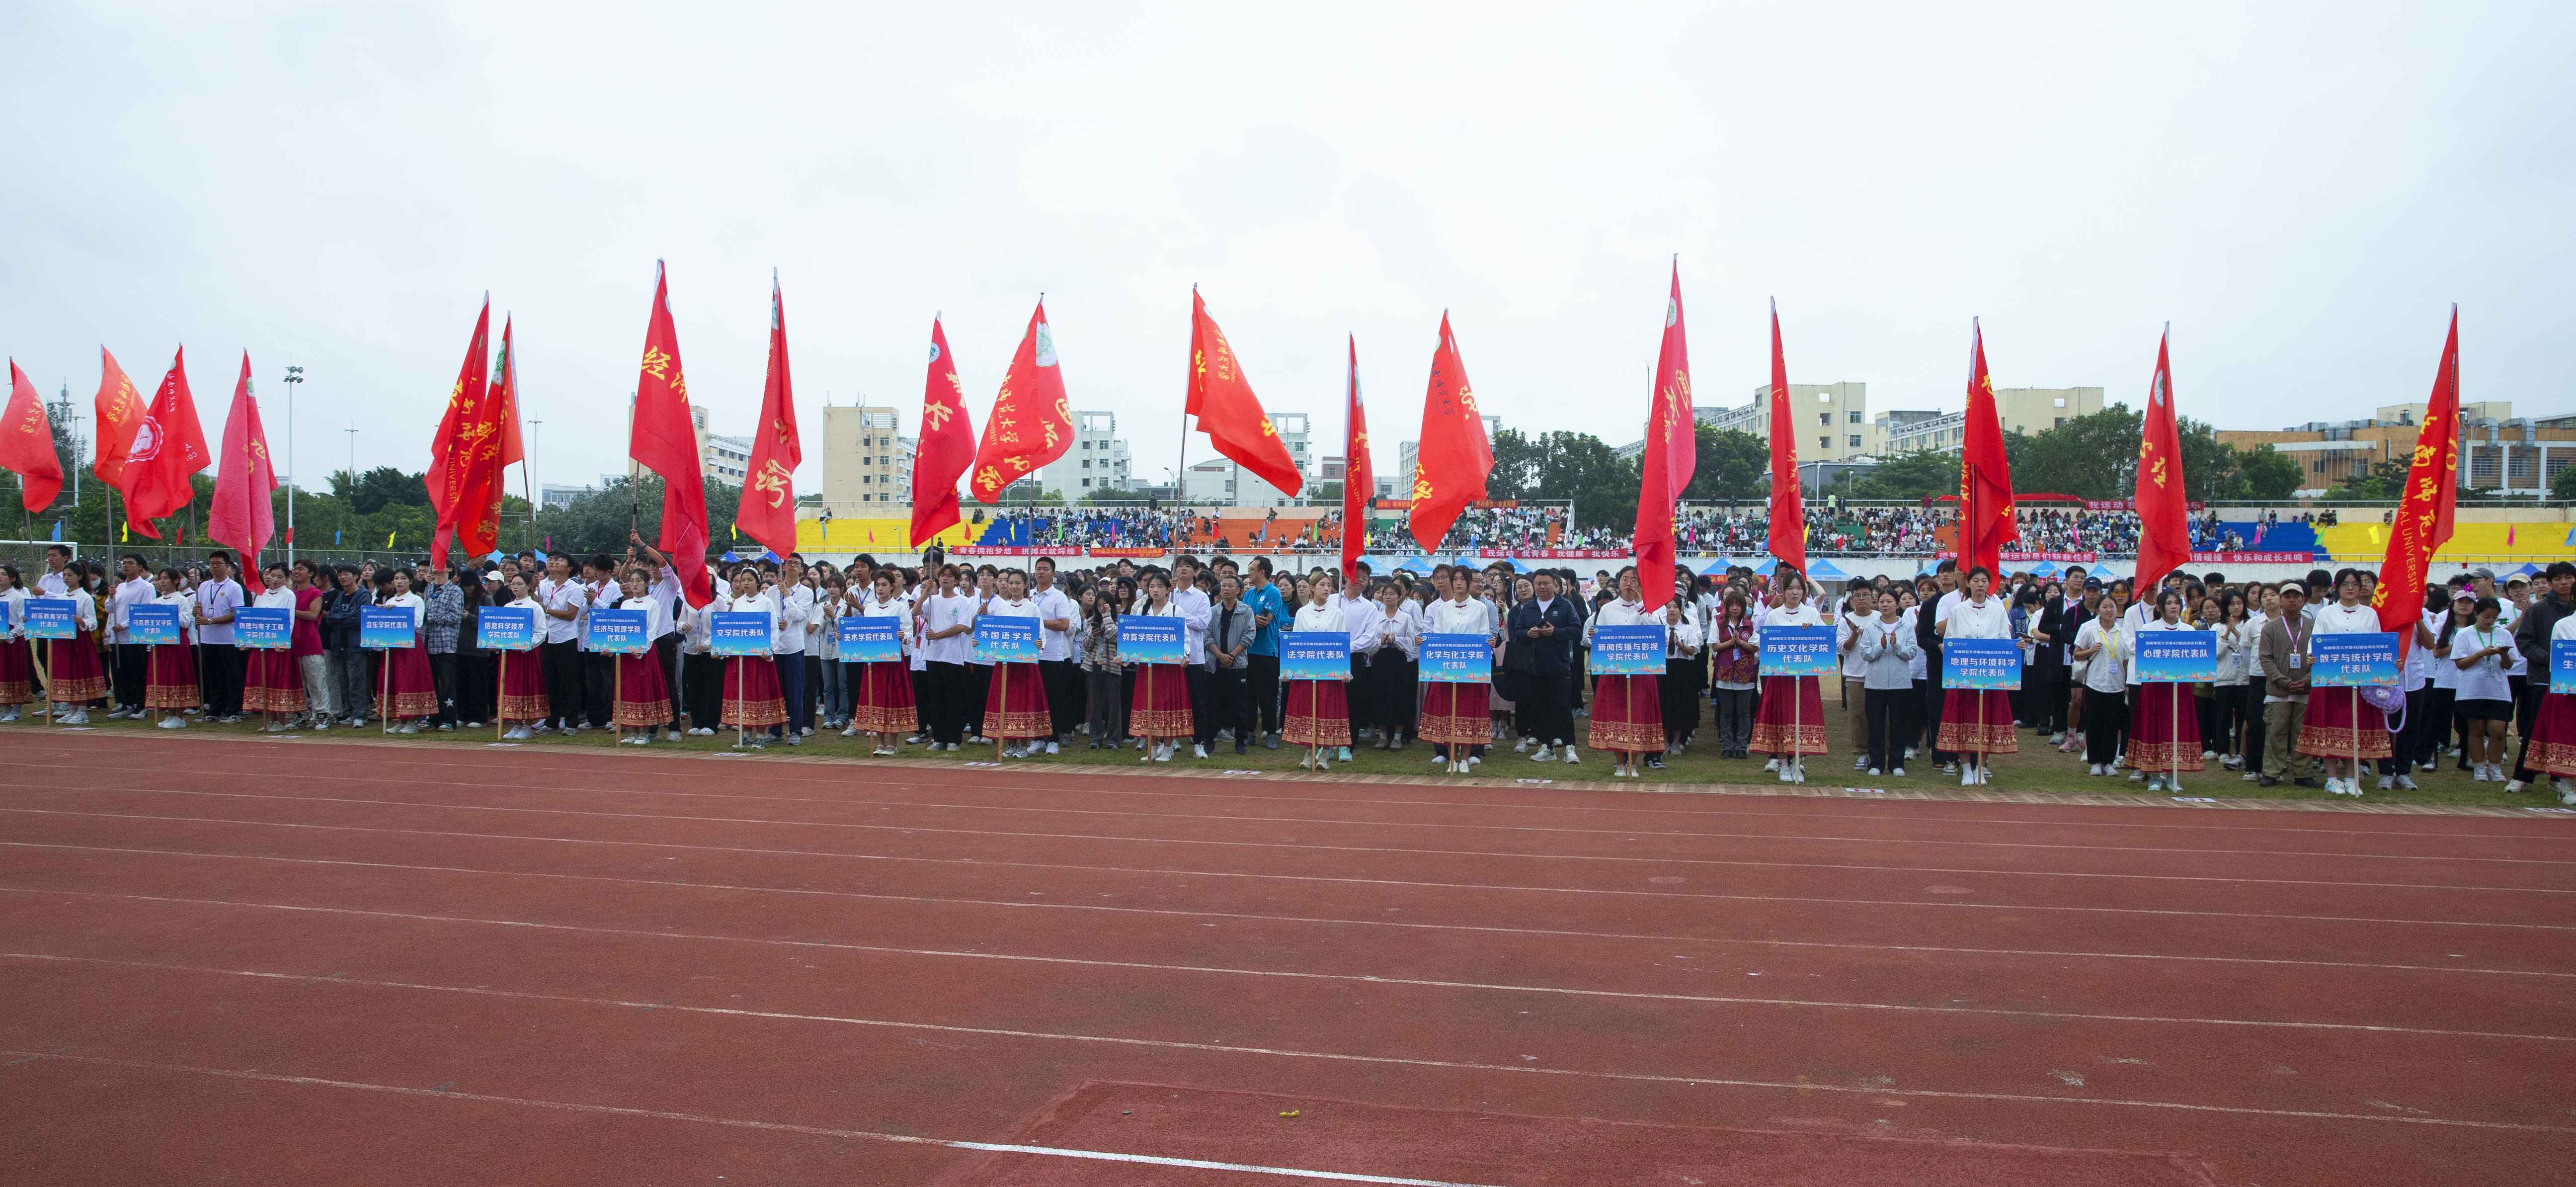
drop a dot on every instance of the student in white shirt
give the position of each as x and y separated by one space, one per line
1976 723
787 646
1016 706
1454 716
1888 652
2482 655
642 697
1627 711
881 691
563 602
947 627
1392 651
170 678
1313 720
2164 722
1790 723
1860 605
272 684
1056 618
73 663
2102 647
413 696
752 702
137 586
17 663
2340 728
1682 669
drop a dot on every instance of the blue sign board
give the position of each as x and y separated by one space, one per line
1628 650
506 628
1799 651
1981 665
1149 639
739 632
2354 661
266 628
1008 640
621 632
384 628
152 623
2177 657
1314 655
2562 665
52 618
1456 659
5 604
865 640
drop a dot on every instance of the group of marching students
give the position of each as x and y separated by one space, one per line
2475 670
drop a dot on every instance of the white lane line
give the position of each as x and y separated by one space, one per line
1084 779
1487 929
902 1139
1293 975
1299 820
1322 878
1299 846
1275 1052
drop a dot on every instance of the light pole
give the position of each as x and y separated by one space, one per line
294 380
353 469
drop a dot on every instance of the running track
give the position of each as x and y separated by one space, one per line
228 960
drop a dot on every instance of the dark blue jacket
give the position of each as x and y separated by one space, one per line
1548 653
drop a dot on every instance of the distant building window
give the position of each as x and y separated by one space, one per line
1855 416
1824 443
1825 418
1824 397
1855 440
2061 421
2061 402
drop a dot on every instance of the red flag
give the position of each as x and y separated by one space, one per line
27 444
493 428
453 447
120 413
767 512
2164 519
242 515
1220 395
1031 423
1672 386
169 448
664 441
2424 512
1454 458
1672 453
1986 521
1788 538
947 445
1359 476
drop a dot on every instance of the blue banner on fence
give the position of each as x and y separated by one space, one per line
264 628
1008 640
52 618
506 628
1455 659
620 632
1981 665
1799 651
739 632
2355 661
384 628
2562 665
1149 639
1628 650
2177 657
153 623
865 640
1314 655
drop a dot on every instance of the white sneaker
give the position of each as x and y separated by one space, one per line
2206 755
2478 773
1521 747
2513 787
1163 753
2156 784
2407 782
1774 764
174 723
2566 792
1967 776
1571 757
1198 751
1543 755
1899 772
1051 749
2093 769
1439 760
1784 772
851 732
2389 783
1474 760
1873 772
2135 775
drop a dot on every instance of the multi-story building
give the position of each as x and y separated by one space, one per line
1096 461
721 458
2017 410
2499 452
1832 419
867 461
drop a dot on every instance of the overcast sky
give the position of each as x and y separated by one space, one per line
2302 189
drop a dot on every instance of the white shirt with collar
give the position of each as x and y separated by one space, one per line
795 610
569 595
218 599
52 585
127 594
941 612
1052 603
1195 615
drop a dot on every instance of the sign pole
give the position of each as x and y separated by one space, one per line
616 686
500 726
2356 739
44 676
999 739
384 691
1797 703
2174 710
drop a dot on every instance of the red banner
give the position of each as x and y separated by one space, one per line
1553 554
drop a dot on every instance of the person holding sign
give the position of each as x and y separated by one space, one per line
411 691
1159 712
2164 725
1016 704
2551 749
1627 707
1318 715
17 662
2482 653
882 701
1976 722
751 697
1454 712
640 694
272 684
523 684
2340 728
71 665
1393 651
1790 722
170 670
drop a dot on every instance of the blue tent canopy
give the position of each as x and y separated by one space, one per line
1825 568
1718 566
1415 564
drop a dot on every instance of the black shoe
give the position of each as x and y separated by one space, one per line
1655 763
2309 783
2269 781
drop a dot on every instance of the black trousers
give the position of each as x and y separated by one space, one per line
1883 710
1202 707
793 690
563 681
222 665
979 687
947 702
2256 733
666 653
130 661
475 693
1263 678
598 673
1550 715
1229 704
1359 697
2106 718
1933 696
1063 682
1680 688
1391 691
442 677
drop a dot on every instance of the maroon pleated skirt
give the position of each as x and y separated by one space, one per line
271 683
1319 714
1628 714
1979 721
2164 729
883 703
1160 707
2339 724
1779 730
643 695
1016 705
523 687
1456 714
170 678
751 696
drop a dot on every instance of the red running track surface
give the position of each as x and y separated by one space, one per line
338 963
